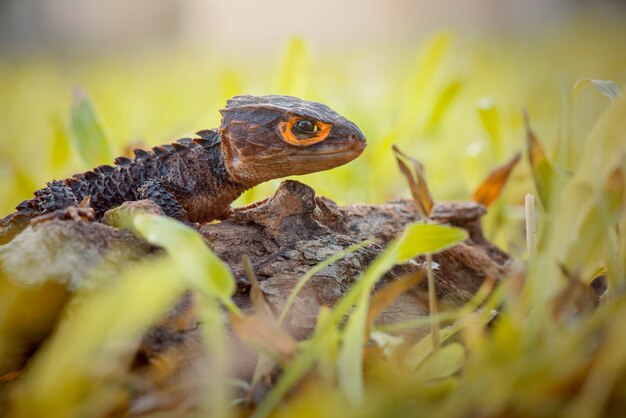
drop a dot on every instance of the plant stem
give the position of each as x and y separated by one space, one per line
432 303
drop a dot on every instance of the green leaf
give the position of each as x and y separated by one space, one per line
606 87
204 270
421 238
293 76
60 149
420 351
88 133
490 119
446 362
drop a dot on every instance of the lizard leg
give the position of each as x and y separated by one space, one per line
73 213
158 191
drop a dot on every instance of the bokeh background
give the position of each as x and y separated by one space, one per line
445 80
83 80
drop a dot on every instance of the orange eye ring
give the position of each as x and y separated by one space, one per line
285 131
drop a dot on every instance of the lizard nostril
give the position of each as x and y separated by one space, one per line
357 142
356 138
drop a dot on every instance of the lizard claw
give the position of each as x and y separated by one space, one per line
73 213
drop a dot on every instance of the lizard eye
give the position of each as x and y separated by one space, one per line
303 132
305 126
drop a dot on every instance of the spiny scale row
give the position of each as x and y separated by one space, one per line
207 139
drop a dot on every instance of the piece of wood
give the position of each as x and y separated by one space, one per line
283 237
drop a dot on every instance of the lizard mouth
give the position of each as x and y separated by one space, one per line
352 153
354 148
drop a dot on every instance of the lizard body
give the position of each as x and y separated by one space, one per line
196 180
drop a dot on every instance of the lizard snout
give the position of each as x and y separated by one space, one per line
354 137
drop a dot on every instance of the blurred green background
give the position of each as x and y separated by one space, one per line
444 81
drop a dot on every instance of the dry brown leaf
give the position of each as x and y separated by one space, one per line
86 202
257 331
417 182
11 376
390 293
615 183
256 294
490 189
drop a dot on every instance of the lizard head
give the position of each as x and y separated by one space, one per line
269 137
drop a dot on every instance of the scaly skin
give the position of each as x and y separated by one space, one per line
196 180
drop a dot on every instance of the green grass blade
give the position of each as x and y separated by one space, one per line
293 75
88 133
350 360
489 116
606 87
72 373
60 147
447 96
428 239
328 339
446 362
429 64
312 272
546 179
418 353
603 153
